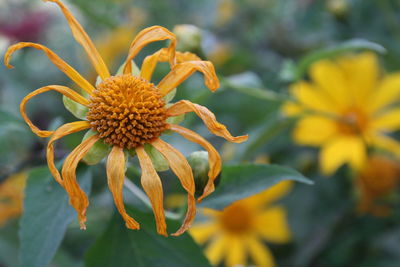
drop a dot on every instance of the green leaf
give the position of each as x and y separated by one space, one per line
75 108
170 96
241 181
159 162
98 151
46 216
345 47
122 247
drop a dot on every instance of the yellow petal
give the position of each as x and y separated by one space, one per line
387 143
61 89
311 98
387 92
115 178
153 187
260 253
146 36
362 72
214 159
182 169
150 62
185 106
216 250
331 80
292 109
236 253
77 197
180 72
84 40
345 149
314 130
387 122
62 131
61 64
272 225
271 194
201 232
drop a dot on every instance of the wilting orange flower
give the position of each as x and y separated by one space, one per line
11 196
378 178
126 112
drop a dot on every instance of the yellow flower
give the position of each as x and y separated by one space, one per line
378 178
12 196
126 112
346 108
239 231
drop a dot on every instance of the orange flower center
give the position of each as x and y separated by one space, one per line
236 219
127 111
352 122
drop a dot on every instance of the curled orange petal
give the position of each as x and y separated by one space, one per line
66 129
214 159
182 169
68 92
61 64
146 36
153 187
185 106
84 40
162 55
77 198
115 177
180 72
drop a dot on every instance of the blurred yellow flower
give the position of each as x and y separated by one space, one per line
12 196
237 233
345 108
379 177
126 112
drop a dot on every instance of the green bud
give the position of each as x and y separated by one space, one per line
189 37
159 162
98 151
199 162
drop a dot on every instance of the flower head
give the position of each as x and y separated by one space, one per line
238 232
11 196
345 108
126 112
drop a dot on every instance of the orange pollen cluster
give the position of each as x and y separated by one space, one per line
236 219
127 111
352 122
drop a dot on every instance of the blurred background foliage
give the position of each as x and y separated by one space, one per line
255 46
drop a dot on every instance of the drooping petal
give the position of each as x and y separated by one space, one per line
153 187
236 252
185 106
146 36
314 130
61 64
214 159
162 55
115 178
182 169
341 150
388 121
272 225
260 253
77 197
84 40
68 92
66 129
180 72
201 232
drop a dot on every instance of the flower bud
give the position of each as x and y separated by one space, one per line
199 162
338 8
189 37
